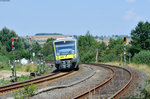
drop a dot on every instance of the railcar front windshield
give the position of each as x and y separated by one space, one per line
65 47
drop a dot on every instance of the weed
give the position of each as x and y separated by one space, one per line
28 91
23 77
4 82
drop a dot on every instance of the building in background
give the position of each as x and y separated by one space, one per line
41 38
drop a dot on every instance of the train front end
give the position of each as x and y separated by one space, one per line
66 54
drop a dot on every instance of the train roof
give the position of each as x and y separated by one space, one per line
62 39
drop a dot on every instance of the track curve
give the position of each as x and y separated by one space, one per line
109 89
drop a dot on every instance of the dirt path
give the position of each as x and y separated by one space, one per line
6 74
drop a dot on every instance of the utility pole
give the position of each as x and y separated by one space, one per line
96 56
125 41
130 58
30 48
121 58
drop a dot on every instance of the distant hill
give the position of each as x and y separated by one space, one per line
113 36
38 34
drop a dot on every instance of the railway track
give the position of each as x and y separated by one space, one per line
50 77
112 88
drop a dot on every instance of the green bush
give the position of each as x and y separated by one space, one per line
142 57
49 57
109 58
28 91
3 65
87 56
3 61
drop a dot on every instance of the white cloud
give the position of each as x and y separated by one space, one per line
130 1
131 15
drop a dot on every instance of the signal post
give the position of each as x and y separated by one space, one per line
13 66
125 42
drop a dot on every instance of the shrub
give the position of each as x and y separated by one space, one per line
30 68
142 57
109 58
3 65
88 56
28 91
49 57
3 61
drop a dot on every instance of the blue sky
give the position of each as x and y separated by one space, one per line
73 17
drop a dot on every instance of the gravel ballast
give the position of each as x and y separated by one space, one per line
70 92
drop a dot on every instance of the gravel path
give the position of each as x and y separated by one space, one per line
69 92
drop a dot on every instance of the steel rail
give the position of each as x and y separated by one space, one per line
6 88
85 93
115 95
118 93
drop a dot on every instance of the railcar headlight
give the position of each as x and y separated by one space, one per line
57 58
73 56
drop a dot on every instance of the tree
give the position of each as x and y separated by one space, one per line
115 46
50 40
112 51
5 38
102 48
87 48
47 50
36 48
2 49
141 37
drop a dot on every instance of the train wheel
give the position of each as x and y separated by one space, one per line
57 67
76 68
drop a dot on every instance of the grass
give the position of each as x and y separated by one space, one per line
23 77
28 91
20 68
112 63
25 68
141 67
4 82
3 59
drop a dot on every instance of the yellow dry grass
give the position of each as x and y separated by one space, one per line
143 68
28 68
113 63
140 67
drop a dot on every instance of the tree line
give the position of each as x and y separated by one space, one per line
21 45
138 48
